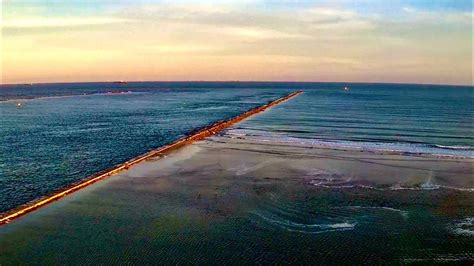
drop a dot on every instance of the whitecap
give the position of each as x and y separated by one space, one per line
331 182
427 186
313 228
403 213
393 147
464 227
454 147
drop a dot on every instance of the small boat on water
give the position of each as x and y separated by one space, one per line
120 82
346 88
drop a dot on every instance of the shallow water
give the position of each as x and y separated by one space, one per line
198 206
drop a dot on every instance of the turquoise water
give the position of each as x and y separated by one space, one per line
54 134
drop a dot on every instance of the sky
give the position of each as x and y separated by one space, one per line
397 41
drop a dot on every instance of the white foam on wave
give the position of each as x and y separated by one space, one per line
346 184
429 187
454 147
440 258
245 169
406 148
211 108
307 228
322 184
403 213
458 188
394 187
464 227
335 180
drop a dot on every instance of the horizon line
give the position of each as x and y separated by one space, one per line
234 81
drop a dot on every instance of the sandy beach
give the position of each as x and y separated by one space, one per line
232 200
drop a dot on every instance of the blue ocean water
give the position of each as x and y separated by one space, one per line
54 134
436 120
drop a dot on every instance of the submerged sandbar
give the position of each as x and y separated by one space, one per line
233 200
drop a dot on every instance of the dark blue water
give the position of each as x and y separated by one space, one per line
54 134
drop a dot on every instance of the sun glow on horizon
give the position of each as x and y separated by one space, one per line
401 41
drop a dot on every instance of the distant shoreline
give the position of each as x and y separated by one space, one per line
241 82
32 91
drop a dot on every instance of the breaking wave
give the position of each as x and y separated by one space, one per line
464 227
399 147
335 181
454 147
307 228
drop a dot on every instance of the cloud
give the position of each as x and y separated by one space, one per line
257 33
180 49
147 38
437 16
55 22
237 21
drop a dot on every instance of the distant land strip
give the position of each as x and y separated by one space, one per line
194 135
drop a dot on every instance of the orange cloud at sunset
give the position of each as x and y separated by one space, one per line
249 40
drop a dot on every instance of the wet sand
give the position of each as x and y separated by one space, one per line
231 200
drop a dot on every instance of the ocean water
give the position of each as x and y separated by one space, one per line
434 120
54 134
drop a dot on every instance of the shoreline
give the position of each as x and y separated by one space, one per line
197 134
